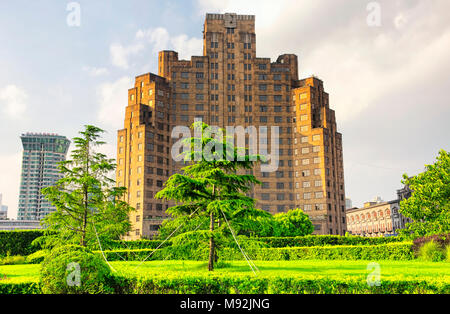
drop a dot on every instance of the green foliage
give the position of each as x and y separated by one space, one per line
95 274
18 242
86 199
182 224
320 240
231 284
292 224
210 186
390 251
134 245
12 260
447 253
37 257
20 288
429 204
431 251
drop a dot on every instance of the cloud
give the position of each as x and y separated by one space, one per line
154 40
112 99
359 64
160 39
13 101
120 54
93 71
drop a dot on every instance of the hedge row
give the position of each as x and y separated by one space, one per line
135 245
226 284
20 288
321 240
281 285
389 251
18 242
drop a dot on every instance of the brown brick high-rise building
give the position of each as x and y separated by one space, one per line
230 86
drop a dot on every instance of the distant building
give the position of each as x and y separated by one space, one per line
376 219
7 225
41 155
348 203
3 210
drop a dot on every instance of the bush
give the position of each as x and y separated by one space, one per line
431 251
245 284
13 260
19 242
321 240
441 239
292 224
447 253
390 251
57 269
37 257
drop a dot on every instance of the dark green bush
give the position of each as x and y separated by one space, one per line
231 284
18 242
321 240
94 273
389 251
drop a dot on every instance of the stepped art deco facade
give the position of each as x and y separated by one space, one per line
230 86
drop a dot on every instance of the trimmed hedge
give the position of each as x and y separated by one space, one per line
229 284
135 245
389 251
321 240
20 288
18 242
280 285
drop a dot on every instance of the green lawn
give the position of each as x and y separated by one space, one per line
389 270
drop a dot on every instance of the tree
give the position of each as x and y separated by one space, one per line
429 204
211 186
87 202
294 223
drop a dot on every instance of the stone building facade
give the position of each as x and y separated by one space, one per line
376 219
230 86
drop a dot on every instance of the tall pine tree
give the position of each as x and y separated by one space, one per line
88 204
211 184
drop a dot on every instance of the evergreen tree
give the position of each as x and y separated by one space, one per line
210 185
86 199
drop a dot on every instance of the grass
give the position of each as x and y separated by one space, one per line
389 270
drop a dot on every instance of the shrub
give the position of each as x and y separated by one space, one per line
431 251
37 257
13 260
321 240
441 239
293 223
447 253
56 270
19 242
390 251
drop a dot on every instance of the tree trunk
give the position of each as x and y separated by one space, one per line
211 244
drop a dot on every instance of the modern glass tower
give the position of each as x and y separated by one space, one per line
41 154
